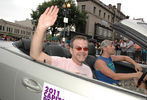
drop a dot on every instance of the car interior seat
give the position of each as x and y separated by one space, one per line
90 60
56 50
91 49
23 45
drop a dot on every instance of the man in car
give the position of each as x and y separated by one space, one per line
105 69
78 49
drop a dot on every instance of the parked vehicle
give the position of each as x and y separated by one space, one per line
22 78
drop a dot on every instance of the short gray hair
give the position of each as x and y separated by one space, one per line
105 43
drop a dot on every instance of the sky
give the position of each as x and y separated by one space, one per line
12 10
133 8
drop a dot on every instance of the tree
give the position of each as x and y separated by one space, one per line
76 18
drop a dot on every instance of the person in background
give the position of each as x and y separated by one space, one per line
144 56
117 47
137 53
78 49
123 46
67 45
130 48
1 37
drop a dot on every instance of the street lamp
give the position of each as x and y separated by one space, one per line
65 6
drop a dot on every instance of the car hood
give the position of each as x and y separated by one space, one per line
134 30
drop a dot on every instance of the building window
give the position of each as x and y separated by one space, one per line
28 33
112 20
99 12
108 17
83 7
7 29
0 27
22 32
16 30
11 29
104 15
3 28
94 10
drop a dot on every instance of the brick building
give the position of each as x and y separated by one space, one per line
18 29
100 18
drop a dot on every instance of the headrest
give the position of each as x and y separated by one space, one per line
90 60
56 50
91 49
23 45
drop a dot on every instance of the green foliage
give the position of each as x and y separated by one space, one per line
49 37
75 17
9 34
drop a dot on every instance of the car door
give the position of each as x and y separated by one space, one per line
7 81
34 78
13 77
28 87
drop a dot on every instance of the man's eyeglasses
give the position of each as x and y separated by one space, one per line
79 49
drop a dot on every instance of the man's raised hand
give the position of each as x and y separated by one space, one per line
48 18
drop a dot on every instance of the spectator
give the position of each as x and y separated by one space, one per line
1 37
137 53
66 45
62 44
130 48
123 46
144 56
78 49
117 47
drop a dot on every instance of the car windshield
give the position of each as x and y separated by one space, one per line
143 24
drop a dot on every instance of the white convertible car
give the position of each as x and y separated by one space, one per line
22 78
